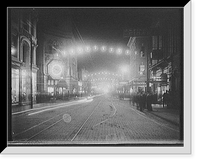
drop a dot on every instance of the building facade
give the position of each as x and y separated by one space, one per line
23 56
157 56
84 82
57 73
166 57
140 47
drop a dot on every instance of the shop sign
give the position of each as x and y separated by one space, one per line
123 83
139 83
162 77
80 84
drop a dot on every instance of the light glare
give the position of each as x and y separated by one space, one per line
95 48
119 51
80 50
88 48
111 50
103 48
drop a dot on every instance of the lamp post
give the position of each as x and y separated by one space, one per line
31 74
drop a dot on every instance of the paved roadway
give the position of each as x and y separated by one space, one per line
100 120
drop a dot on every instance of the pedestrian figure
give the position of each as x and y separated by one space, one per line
137 97
169 99
149 101
134 99
144 99
164 99
130 99
141 101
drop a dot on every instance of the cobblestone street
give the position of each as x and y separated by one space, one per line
95 121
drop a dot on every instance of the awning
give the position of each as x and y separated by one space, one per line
161 64
62 83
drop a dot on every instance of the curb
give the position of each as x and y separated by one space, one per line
27 108
158 116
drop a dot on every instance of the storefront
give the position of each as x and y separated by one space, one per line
15 86
138 86
62 89
21 86
57 87
159 81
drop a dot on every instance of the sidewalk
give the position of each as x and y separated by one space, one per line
17 108
167 114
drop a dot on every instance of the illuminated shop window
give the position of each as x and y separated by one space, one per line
15 86
142 69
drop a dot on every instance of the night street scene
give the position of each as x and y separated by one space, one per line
95 76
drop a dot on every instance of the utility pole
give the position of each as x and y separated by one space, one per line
147 66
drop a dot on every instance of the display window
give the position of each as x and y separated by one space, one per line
34 85
15 86
24 86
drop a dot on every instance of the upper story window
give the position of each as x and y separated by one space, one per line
154 42
160 42
142 51
142 69
157 42
26 22
14 46
26 53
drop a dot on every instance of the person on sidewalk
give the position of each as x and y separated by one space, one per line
142 101
137 99
134 99
164 98
130 99
149 101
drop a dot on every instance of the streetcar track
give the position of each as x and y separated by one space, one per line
37 125
144 116
44 129
108 117
85 122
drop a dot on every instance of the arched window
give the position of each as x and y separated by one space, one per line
26 53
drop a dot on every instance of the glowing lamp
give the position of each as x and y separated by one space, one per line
95 48
13 50
111 50
103 48
119 51
55 69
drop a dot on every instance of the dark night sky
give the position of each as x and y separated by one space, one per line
107 25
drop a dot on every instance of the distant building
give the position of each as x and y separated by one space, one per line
140 48
166 57
84 82
157 56
23 55
57 73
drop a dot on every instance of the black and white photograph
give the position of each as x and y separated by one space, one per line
96 77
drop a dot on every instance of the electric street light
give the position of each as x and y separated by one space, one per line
124 69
